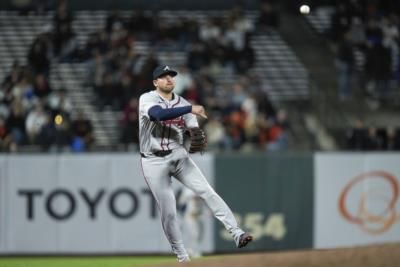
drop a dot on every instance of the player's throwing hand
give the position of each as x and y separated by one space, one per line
199 110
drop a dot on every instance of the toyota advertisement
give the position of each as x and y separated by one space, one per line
83 204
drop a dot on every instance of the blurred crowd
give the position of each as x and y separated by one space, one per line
241 114
366 34
369 138
32 112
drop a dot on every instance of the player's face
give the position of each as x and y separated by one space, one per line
165 83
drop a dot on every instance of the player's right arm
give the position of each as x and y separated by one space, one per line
150 106
161 114
199 110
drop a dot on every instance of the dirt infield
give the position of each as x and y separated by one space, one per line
371 256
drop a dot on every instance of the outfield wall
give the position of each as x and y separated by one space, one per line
83 204
99 203
272 195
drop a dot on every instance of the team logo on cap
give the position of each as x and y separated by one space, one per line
166 68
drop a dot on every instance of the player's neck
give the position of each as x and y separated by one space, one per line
168 96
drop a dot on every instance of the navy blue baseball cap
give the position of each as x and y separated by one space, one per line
163 70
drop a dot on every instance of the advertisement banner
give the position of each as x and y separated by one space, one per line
271 196
356 199
92 203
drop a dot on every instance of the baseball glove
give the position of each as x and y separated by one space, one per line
198 139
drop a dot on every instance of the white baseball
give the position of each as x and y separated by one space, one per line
305 9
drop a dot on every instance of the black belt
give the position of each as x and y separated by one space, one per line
160 153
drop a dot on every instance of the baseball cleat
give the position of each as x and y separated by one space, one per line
184 258
244 240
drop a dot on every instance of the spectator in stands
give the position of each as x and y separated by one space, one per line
192 93
233 42
4 137
16 125
236 136
149 64
47 135
42 88
208 97
246 57
130 124
372 141
268 18
393 139
378 69
190 32
340 22
263 127
197 56
26 7
82 133
11 79
113 20
128 88
356 137
23 91
210 31
241 22
35 121
96 70
345 67
132 63
278 136
391 36
63 35
238 97
141 24
60 103
119 38
108 93
374 31
183 81
215 132
249 107
264 104
357 33
62 132
4 109
38 56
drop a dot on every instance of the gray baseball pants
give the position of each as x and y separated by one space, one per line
158 173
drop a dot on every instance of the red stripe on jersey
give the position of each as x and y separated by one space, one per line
170 122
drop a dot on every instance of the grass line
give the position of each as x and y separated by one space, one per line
83 261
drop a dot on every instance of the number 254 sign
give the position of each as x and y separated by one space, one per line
260 225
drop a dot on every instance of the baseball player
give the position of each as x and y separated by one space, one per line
190 210
164 118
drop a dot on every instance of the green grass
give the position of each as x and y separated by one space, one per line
83 261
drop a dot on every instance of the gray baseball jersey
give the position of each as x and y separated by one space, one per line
162 135
158 170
